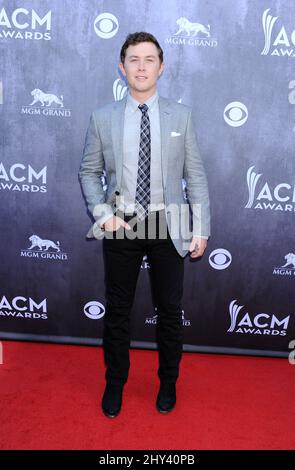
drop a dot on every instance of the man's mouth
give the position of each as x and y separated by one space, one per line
140 77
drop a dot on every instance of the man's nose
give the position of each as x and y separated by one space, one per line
141 65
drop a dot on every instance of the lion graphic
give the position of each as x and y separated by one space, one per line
290 258
48 98
186 26
39 243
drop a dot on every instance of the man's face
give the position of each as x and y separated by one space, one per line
142 67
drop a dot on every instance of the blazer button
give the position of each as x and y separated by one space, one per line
117 193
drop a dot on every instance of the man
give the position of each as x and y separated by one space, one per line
146 145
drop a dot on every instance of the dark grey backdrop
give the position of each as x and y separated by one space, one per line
237 74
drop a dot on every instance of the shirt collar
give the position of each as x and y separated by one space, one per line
151 102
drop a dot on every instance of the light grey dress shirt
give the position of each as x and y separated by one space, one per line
131 141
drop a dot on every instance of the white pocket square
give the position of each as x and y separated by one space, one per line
175 134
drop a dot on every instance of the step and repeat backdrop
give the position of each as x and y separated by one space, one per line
233 62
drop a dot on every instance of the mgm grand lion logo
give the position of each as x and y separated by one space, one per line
37 242
45 98
290 260
191 29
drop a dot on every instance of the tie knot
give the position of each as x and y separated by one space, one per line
143 107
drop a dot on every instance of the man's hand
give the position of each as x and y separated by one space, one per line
197 247
114 223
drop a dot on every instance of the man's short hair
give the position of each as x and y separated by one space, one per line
136 38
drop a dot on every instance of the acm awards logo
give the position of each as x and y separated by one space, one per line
265 324
119 89
46 104
153 320
280 43
24 24
23 178
266 197
23 307
288 269
291 96
43 249
191 33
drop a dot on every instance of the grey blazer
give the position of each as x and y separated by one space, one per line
180 160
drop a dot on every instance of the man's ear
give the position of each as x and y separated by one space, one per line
162 67
121 67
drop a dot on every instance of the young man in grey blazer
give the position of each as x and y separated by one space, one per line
147 146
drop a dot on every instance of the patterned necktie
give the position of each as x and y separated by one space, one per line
142 196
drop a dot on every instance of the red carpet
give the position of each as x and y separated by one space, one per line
50 399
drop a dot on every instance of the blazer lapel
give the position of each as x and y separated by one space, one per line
117 120
165 125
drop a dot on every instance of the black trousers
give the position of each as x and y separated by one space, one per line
123 258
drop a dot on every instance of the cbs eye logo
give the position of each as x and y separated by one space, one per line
220 259
94 310
235 114
106 25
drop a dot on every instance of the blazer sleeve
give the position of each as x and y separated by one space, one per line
90 173
196 183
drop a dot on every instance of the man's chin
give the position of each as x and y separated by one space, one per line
142 88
